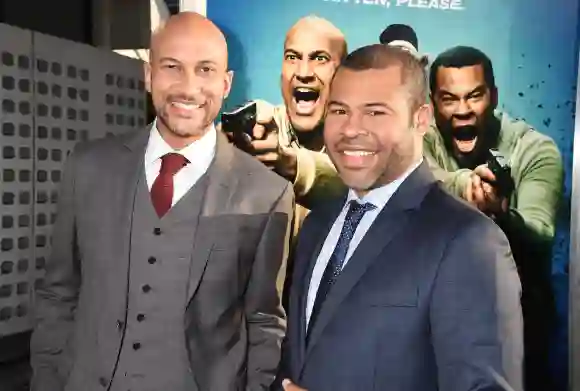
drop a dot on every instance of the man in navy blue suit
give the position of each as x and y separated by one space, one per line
398 286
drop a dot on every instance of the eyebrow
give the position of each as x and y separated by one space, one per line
202 62
168 59
313 54
207 62
480 88
366 105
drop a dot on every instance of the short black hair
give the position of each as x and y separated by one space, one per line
399 32
379 56
459 57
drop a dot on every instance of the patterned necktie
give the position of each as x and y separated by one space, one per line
162 189
336 261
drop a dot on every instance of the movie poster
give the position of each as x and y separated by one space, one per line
531 44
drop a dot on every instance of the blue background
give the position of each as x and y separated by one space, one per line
532 44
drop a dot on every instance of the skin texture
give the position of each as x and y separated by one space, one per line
370 112
462 98
313 50
187 77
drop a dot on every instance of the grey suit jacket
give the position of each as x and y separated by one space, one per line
234 322
429 301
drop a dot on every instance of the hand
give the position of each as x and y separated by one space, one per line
266 145
482 194
289 386
264 127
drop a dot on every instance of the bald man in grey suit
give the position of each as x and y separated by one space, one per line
167 246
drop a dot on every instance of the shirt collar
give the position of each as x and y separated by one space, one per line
200 150
381 195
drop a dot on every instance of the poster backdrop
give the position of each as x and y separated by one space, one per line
532 44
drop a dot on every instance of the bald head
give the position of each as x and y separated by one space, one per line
188 25
315 25
313 49
187 76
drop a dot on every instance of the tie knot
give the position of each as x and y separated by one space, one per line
356 207
171 163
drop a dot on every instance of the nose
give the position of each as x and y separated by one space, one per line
190 83
304 72
352 126
464 108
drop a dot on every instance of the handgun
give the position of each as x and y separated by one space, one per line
240 123
498 165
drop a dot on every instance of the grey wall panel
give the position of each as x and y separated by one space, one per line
17 263
67 93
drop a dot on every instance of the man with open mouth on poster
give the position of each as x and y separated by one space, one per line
288 137
509 171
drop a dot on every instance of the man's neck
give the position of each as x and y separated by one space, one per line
312 139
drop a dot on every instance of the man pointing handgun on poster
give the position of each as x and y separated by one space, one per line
510 172
288 138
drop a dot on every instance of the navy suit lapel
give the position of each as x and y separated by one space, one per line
315 235
392 219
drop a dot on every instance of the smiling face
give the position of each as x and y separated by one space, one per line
187 77
464 105
372 131
312 52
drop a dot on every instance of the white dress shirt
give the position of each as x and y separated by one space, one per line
379 198
200 154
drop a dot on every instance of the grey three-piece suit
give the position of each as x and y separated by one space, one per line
188 301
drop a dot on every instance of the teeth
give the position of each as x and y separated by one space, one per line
186 106
304 89
358 153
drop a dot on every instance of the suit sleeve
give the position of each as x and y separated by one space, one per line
264 312
297 285
475 314
56 300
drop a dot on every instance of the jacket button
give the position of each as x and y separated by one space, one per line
103 382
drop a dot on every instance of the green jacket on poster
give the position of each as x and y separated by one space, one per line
316 177
536 168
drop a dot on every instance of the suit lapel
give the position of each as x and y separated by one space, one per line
222 183
390 221
130 168
320 230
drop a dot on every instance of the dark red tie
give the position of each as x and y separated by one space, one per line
162 189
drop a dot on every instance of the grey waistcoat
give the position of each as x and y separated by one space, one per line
153 355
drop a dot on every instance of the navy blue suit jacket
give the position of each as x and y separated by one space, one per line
430 300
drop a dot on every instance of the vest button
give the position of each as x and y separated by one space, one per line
120 325
103 382
157 231
146 288
136 346
152 260
140 318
